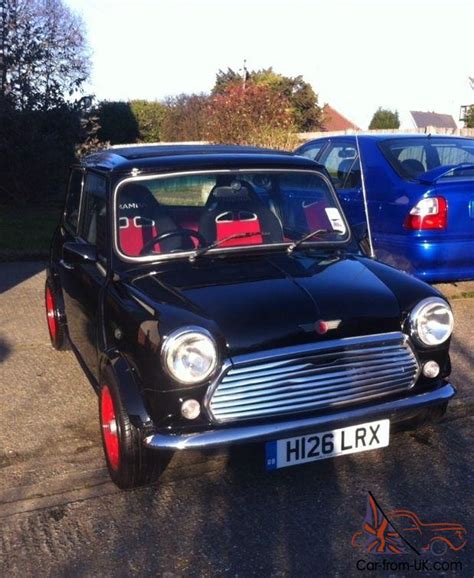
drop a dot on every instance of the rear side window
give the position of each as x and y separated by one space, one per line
94 224
341 163
73 201
312 151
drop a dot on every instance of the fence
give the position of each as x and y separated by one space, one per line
469 132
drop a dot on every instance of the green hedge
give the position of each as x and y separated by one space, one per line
129 122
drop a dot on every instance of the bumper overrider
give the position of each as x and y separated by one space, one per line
344 382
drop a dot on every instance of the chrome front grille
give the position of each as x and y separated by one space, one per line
315 376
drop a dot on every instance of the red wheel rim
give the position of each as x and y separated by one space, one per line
109 428
51 314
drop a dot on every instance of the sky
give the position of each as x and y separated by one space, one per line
357 54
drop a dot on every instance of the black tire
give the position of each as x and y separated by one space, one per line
55 318
134 465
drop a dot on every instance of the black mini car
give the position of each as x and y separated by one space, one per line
217 296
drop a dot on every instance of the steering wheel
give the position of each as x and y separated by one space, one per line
178 233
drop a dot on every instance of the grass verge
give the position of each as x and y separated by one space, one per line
27 230
464 295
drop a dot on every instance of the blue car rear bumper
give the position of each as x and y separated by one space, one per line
431 260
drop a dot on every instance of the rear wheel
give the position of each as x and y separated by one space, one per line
56 328
129 462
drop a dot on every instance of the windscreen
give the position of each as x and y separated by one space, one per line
178 213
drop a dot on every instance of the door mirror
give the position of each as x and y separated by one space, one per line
361 235
79 253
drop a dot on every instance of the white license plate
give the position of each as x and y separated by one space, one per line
320 446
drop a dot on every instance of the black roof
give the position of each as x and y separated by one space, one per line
170 157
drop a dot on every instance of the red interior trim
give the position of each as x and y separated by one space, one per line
226 228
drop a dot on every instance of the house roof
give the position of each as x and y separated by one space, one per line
334 120
424 119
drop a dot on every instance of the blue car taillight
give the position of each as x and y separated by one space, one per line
428 214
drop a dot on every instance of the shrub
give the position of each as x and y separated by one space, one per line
117 122
469 118
36 150
185 118
302 99
253 115
384 118
149 115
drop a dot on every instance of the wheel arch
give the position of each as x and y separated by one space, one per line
440 539
130 393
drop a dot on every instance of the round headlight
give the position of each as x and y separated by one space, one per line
189 355
431 321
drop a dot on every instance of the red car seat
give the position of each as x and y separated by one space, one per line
141 217
235 209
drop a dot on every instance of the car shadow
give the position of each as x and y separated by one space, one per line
5 349
14 273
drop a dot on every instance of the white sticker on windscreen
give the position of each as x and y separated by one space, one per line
335 219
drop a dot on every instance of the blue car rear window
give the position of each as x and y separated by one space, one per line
411 157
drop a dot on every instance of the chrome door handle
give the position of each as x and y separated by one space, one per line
66 265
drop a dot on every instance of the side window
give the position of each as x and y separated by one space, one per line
94 223
313 150
351 178
73 200
340 162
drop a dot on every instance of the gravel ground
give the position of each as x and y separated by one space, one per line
212 515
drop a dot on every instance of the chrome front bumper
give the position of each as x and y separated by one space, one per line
400 410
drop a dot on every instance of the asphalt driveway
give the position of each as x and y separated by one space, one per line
212 515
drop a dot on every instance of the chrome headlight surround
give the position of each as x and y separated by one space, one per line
431 322
189 355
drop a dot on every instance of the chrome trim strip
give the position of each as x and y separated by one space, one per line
300 350
147 308
66 265
102 270
252 248
397 411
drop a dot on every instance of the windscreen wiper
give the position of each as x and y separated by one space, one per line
317 233
204 250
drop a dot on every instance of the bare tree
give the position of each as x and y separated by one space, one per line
46 55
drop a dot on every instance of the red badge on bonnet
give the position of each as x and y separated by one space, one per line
321 327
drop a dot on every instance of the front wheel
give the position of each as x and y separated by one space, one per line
438 547
129 462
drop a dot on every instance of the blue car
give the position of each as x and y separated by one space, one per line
420 192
